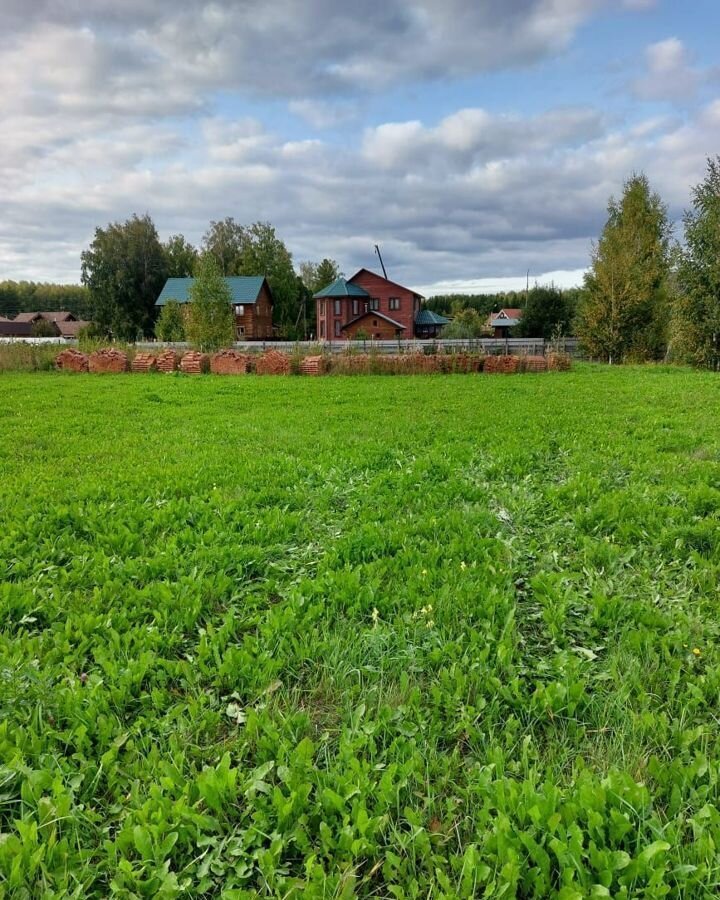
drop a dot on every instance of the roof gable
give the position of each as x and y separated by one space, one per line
386 280
243 289
376 314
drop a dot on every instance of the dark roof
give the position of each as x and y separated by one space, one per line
28 317
71 329
243 289
376 315
341 288
16 329
382 278
428 317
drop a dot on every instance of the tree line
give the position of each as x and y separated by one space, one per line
126 266
34 296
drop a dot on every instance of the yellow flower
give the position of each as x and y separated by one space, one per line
463 565
375 616
696 651
429 607
424 572
429 623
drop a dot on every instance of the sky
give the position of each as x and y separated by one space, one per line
473 140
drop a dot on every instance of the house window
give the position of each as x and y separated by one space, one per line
394 303
356 307
374 303
322 329
374 323
338 307
239 309
240 332
322 308
337 328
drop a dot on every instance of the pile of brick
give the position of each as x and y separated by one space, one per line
72 360
535 364
228 362
194 363
167 361
313 365
273 363
559 362
503 365
108 360
143 362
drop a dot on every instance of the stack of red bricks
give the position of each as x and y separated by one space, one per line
313 365
535 364
194 363
273 363
228 362
72 360
167 361
143 362
504 365
108 360
559 362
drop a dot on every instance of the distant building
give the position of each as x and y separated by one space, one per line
65 322
502 321
252 303
369 305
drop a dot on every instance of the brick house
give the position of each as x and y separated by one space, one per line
252 303
66 324
367 305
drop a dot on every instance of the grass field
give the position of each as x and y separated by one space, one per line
392 637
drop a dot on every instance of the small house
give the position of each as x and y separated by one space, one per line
503 321
251 299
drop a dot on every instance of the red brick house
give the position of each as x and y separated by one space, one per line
251 299
367 305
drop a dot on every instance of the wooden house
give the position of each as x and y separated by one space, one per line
251 299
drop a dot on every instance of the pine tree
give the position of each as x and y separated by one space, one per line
624 311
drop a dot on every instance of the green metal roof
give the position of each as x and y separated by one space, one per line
243 289
428 317
341 288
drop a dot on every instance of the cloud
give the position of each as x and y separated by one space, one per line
669 74
111 109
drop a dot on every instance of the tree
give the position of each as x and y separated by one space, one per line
466 323
546 313
624 310
696 309
43 328
180 257
125 270
316 276
170 325
265 254
211 323
226 240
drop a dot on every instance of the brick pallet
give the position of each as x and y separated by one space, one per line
503 365
108 360
143 362
559 362
273 363
312 365
229 362
72 360
194 363
167 361
535 364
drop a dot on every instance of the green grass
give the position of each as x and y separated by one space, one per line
335 637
